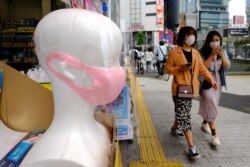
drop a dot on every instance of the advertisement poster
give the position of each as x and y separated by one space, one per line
160 14
16 155
169 35
93 5
77 4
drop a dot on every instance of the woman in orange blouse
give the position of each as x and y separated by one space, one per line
185 64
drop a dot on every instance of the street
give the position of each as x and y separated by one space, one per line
233 125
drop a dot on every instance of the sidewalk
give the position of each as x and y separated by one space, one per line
233 128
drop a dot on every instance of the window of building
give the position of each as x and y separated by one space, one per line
151 3
150 14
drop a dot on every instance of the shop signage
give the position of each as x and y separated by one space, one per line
136 26
160 14
237 32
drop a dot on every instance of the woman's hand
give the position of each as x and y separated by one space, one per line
214 84
185 67
219 51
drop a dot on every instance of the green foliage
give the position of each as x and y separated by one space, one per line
241 42
140 38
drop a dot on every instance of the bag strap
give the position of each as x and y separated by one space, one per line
192 73
161 51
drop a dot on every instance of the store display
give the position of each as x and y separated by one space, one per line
80 51
16 43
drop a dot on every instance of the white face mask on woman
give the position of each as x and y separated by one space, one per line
214 44
190 40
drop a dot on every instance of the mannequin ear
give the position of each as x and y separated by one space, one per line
64 70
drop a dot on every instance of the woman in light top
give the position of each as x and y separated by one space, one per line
216 60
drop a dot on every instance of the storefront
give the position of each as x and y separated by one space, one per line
18 19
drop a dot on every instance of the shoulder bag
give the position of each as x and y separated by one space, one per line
185 91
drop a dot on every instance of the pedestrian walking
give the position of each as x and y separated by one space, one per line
148 55
185 64
216 60
161 56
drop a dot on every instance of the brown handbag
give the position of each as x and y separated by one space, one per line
184 91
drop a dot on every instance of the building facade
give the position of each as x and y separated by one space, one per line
144 16
213 14
248 12
210 14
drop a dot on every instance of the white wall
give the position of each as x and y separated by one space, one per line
191 20
149 22
134 11
124 15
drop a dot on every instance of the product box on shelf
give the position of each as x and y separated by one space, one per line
120 108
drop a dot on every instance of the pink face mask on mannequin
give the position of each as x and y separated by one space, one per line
106 83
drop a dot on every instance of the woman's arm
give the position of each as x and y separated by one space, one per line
170 65
203 71
224 58
208 61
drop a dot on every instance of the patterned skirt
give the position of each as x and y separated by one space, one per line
183 113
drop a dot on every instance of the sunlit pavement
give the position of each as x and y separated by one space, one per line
233 125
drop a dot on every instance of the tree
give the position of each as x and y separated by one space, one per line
140 38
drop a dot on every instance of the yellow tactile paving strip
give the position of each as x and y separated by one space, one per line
118 159
151 151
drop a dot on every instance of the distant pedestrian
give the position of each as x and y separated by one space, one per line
216 60
185 64
148 55
161 56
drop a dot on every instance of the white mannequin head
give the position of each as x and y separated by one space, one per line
73 45
79 50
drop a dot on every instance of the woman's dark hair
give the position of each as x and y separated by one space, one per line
184 31
206 49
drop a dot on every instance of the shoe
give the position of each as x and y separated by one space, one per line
192 153
177 133
205 128
215 141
